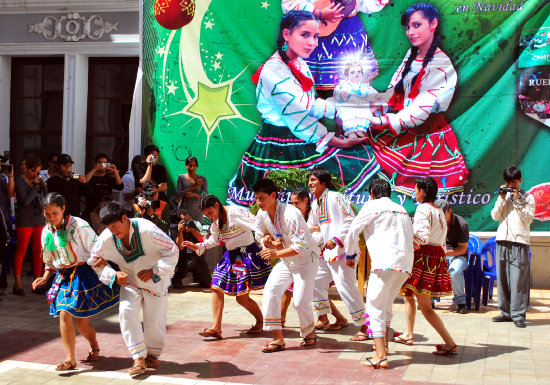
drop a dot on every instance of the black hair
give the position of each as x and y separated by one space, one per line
149 185
138 159
53 155
149 149
430 13
291 21
511 173
380 188
303 195
53 198
323 175
110 213
190 159
32 161
265 185
429 186
101 155
210 201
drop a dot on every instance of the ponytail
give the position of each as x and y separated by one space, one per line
210 201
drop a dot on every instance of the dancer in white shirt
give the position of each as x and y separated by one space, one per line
241 269
389 236
283 233
148 256
332 211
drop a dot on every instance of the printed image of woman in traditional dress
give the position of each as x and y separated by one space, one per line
342 38
291 134
412 138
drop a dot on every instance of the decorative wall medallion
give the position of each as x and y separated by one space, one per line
73 27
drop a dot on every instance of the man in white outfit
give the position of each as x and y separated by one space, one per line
332 212
148 257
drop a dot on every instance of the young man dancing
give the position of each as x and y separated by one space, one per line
148 256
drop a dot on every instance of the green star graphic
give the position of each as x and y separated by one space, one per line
212 104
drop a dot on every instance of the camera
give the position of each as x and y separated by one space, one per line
152 160
6 168
75 176
144 200
106 165
190 224
504 190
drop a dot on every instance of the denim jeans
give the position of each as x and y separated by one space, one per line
457 265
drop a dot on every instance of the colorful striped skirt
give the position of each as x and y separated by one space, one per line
276 148
348 43
240 271
81 293
429 150
430 273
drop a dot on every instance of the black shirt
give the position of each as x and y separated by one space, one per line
100 186
72 190
158 175
457 232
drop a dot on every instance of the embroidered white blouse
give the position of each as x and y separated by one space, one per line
282 102
237 232
388 232
430 226
290 227
334 214
80 238
150 248
366 6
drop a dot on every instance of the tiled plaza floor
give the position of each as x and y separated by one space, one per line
490 353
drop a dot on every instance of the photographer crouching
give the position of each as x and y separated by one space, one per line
148 206
191 231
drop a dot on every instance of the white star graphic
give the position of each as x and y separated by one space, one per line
172 88
161 50
219 56
208 24
265 4
216 65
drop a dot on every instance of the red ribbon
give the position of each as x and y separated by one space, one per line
305 82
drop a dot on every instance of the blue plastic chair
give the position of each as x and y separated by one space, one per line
473 276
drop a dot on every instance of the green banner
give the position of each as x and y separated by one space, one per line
199 99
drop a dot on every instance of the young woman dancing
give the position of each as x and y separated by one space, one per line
240 269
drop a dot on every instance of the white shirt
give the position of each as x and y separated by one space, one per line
334 214
150 248
237 232
388 233
515 217
129 188
430 226
290 227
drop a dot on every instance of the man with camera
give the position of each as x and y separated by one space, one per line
52 168
102 179
7 191
191 231
71 186
514 209
153 171
147 205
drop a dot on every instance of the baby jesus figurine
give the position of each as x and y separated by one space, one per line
351 99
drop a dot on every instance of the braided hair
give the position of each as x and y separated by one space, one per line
291 21
210 201
431 13
303 195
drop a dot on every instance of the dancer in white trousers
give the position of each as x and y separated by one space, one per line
283 233
389 236
332 211
148 256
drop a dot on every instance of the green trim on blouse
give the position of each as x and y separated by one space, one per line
136 248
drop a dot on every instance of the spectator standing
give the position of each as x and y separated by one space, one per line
52 168
514 209
102 179
70 185
7 191
129 181
191 187
153 170
458 235
29 190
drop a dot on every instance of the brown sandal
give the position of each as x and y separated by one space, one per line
211 333
93 355
64 366
137 370
151 362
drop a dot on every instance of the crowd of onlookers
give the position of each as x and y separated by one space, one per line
534 40
539 107
142 190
